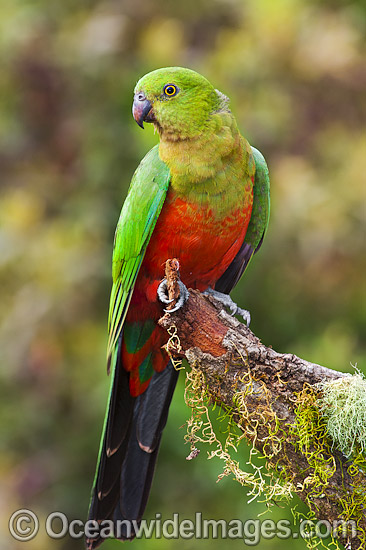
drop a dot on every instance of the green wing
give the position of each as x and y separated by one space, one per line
261 203
136 223
256 228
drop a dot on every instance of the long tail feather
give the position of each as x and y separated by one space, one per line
124 477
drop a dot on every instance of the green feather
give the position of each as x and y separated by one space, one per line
146 369
137 334
261 202
136 223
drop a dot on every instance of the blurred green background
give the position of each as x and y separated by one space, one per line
296 75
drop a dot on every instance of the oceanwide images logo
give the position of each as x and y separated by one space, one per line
24 525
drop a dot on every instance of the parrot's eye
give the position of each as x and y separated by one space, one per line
170 90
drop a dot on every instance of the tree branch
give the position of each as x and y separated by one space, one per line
272 397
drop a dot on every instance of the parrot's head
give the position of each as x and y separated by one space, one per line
178 101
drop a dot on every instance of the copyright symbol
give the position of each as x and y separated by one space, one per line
23 525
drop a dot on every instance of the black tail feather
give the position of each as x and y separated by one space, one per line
124 478
136 477
154 407
121 409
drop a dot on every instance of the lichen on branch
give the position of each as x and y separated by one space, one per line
274 401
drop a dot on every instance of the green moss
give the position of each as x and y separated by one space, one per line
269 479
312 439
309 437
264 484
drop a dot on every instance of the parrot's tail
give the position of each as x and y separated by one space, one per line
128 453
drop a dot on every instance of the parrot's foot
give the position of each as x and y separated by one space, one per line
230 304
162 295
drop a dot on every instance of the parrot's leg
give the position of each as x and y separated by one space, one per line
229 303
162 295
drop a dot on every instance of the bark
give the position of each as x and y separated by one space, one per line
226 350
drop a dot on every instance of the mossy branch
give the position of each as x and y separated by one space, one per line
275 400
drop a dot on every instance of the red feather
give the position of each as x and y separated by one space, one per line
204 246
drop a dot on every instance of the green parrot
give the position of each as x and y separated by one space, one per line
201 195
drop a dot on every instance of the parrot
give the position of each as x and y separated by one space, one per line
200 195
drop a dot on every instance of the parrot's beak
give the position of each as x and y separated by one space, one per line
142 109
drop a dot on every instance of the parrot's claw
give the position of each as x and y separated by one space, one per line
230 304
183 297
162 295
